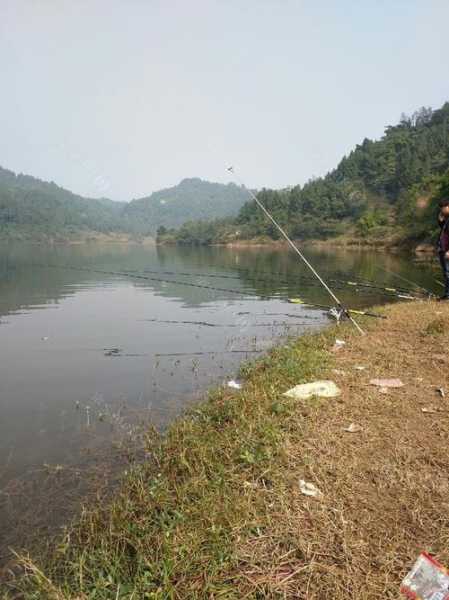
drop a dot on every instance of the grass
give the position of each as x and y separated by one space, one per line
438 326
217 511
173 529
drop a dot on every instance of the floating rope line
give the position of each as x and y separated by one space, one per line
300 254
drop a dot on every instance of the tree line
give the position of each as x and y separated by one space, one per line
376 186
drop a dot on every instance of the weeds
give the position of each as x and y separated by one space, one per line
218 513
173 529
438 326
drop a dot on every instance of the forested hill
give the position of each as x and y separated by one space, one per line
382 187
190 200
35 209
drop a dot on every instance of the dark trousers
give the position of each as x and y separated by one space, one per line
445 268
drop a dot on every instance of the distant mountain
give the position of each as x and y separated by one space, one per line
192 199
32 208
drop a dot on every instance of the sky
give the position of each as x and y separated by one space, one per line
121 98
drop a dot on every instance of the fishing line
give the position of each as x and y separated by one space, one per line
347 276
159 280
207 324
205 353
330 308
348 280
340 284
419 287
242 293
298 252
134 275
278 315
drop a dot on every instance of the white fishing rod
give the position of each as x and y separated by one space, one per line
298 252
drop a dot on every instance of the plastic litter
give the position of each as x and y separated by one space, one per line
336 314
440 357
427 580
429 410
338 345
308 489
353 428
324 389
387 383
359 368
112 351
441 392
236 385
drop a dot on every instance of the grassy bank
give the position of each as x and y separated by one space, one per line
217 512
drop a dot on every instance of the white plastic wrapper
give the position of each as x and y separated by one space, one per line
428 580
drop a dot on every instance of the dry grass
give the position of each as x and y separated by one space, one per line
219 513
385 488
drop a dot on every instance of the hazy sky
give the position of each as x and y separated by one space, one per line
120 98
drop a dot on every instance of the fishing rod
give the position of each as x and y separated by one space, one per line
419 287
160 280
340 284
347 281
207 352
299 253
236 325
243 293
366 283
336 314
386 291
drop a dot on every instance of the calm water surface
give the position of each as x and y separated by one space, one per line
96 339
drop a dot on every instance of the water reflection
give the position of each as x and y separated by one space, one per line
88 354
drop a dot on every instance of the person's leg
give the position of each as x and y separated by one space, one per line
445 269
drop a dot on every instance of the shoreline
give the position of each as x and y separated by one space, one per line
394 246
81 238
217 509
336 243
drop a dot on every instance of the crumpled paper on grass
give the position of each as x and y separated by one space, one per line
304 391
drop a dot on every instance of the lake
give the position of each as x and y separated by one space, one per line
98 341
